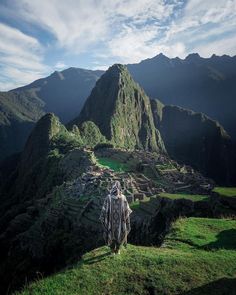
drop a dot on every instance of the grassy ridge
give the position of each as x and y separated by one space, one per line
197 254
226 191
193 198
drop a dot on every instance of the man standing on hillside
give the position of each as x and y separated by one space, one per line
115 218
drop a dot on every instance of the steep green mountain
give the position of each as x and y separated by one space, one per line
205 85
122 111
18 114
62 93
195 139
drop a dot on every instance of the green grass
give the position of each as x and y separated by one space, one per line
112 164
136 204
225 191
199 255
193 198
203 233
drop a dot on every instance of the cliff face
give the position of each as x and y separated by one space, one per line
195 139
122 111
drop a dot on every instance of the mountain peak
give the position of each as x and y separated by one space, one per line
161 55
39 140
193 57
117 69
110 106
161 58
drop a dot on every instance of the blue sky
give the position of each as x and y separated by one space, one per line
38 37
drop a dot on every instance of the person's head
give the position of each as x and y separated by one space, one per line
116 188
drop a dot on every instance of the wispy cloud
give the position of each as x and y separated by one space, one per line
133 45
108 31
20 58
78 24
60 65
202 22
219 47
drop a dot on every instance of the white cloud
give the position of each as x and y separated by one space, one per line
20 58
219 47
74 24
100 67
123 31
203 19
60 65
133 45
79 24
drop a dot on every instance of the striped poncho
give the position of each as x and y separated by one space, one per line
115 218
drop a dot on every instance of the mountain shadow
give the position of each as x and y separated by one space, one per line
226 239
224 286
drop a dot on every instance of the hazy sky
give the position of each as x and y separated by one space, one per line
40 36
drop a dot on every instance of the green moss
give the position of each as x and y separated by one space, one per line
174 269
225 191
193 198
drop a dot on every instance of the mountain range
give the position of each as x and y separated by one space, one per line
189 137
62 93
200 84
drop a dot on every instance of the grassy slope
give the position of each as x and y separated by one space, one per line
197 252
193 198
226 191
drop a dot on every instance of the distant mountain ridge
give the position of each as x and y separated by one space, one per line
205 85
62 93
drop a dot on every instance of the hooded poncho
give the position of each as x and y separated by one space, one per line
115 216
